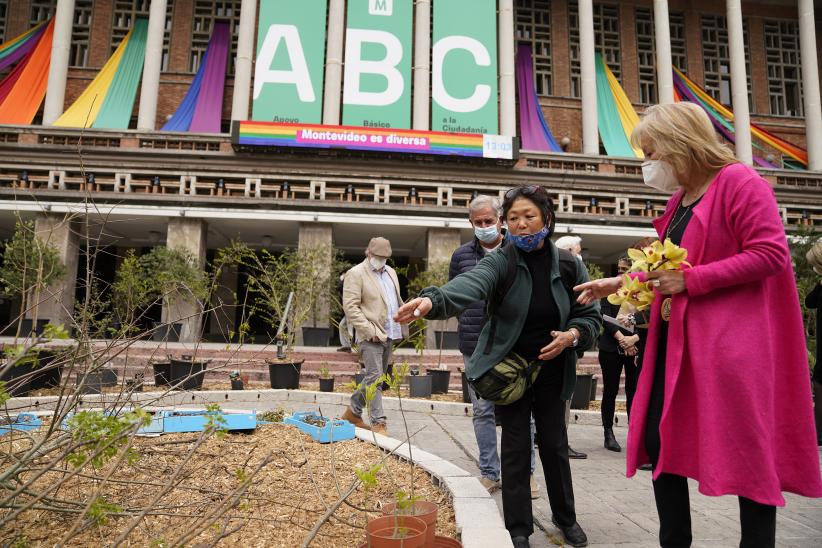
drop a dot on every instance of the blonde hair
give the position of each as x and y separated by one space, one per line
814 256
682 135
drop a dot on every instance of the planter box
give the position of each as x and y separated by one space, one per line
333 430
23 421
196 421
316 336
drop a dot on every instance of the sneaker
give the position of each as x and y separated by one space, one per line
348 415
573 534
534 488
489 484
380 428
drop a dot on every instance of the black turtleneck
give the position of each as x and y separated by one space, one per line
543 314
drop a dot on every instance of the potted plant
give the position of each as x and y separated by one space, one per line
30 265
326 380
316 271
186 373
131 295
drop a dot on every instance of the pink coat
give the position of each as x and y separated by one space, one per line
737 413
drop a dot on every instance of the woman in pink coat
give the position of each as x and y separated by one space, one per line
724 393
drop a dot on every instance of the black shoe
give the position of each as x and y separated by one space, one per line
574 535
520 542
344 349
611 443
645 467
576 454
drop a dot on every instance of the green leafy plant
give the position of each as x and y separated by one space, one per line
99 511
99 436
324 373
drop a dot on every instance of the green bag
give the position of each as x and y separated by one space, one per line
507 381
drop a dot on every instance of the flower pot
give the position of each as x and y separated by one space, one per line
422 509
390 531
327 385
446 542
46 373
285 374
162 373
27 326
582 392
450 340
419 386
187 374
237 384
18 378
316 336
166 332
466 394
439 380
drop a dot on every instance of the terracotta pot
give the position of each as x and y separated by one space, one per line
380 532
423 509
446 542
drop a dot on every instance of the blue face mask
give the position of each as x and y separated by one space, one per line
487 235
529 242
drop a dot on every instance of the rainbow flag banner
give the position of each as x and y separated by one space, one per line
248 135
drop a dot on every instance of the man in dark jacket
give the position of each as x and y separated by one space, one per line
484 214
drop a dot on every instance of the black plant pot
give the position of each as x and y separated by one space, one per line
316 336
162 373
166 332
27 326
327 385
187 374
439 380
237 384
450 340
466 395
18 378
96 380
46 373
582 392
285 374
419 386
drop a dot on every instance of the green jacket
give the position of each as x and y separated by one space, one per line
480 284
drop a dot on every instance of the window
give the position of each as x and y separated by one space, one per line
717 59
4 9
533 27
125 13
41 10
78 51
206 13
606 40
784 70
646 50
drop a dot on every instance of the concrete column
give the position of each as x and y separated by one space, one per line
333 63
56 302
588 81
224 304
186 235
662 38
150 87
422 65
739 82
440 245
810 84
242 65
507 92
317 238
58 67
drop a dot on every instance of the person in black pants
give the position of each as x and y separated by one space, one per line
617 351
814 301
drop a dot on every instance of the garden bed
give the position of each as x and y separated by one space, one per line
297 480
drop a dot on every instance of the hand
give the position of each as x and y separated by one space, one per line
375 339
668 282
597 289
627 342
406 314
562 340
631 351
625 320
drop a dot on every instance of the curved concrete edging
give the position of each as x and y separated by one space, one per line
478 519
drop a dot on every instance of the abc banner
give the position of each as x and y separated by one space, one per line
288 73
464 67
377 77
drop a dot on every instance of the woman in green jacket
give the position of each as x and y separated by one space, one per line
538 320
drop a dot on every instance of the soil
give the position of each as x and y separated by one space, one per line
314 421
298 480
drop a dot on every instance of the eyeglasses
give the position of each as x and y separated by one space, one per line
529 190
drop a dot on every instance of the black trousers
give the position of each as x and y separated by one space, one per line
543 400
758 521
612 364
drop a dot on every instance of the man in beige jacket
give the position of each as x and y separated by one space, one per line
371 298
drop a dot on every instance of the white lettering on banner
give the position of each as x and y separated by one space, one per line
380 7
298 75
387 67
482 92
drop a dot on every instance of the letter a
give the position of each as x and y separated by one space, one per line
298 75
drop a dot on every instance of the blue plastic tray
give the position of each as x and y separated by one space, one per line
23 421
340 430
195 421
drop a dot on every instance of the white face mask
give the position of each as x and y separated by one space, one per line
660 175
376 263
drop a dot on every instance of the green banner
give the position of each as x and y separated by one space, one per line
377 80
288 72
464 67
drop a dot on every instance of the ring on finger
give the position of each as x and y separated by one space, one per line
655 283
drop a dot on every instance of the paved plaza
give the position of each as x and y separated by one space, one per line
612 509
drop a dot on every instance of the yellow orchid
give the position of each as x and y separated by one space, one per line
672 257
639 260
633 292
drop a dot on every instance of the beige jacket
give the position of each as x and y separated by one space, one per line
364 303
